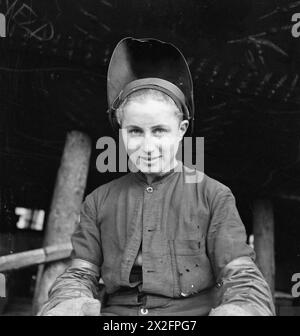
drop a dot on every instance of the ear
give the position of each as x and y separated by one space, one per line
184 124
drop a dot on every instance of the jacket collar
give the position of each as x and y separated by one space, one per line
159 179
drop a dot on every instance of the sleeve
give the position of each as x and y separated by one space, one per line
242 290
81 279
86 239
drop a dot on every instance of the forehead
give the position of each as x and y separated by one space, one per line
148 112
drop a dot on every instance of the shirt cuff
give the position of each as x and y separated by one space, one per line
81 263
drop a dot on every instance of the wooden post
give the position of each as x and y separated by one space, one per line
65 208
263 229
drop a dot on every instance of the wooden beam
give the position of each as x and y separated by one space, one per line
288 197
65 208
263 229
35 257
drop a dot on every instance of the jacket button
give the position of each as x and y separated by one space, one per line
144 311
219 284
149 189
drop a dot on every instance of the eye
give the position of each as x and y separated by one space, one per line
135 131
159 131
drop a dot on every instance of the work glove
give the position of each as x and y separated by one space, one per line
81 306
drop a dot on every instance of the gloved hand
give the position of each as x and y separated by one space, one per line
229 310
81 306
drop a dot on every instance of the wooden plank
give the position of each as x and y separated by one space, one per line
289 197
58 252
2 286
263 229
35 257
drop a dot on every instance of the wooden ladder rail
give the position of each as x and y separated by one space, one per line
35 257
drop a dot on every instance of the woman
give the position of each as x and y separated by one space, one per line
163 245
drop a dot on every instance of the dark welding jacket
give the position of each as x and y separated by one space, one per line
194 250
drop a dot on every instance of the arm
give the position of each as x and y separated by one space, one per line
74 292
78 285
242 290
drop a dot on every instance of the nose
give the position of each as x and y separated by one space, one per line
148 145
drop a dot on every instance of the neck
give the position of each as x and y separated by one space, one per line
151 176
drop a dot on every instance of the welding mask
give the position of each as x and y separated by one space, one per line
149 64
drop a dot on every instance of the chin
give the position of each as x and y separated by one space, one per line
150 170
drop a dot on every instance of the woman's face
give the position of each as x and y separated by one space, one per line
151 133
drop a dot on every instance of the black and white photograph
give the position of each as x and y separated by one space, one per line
149 160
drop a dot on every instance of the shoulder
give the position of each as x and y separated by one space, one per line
99 194
215 187
203 181
207 188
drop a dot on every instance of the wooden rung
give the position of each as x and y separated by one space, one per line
2 286
283 295
35 257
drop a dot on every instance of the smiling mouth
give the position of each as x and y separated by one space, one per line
150 160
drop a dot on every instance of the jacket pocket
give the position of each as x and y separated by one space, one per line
187 247
194 272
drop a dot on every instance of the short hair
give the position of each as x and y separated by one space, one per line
142 95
